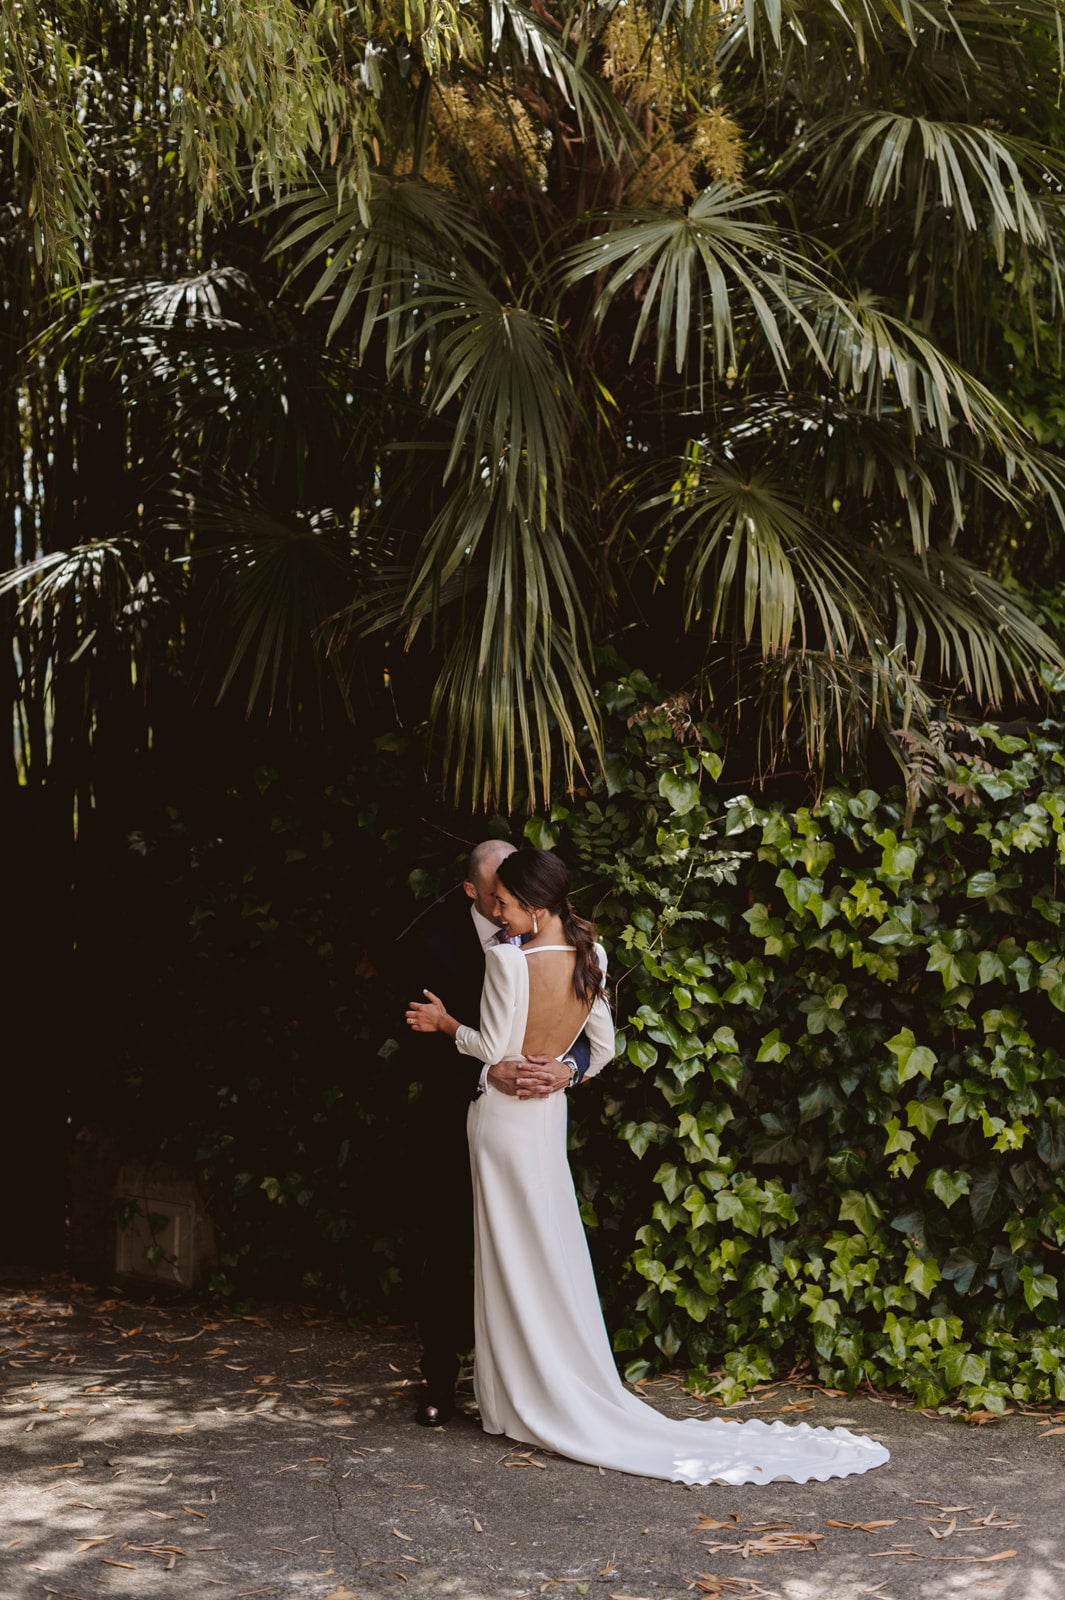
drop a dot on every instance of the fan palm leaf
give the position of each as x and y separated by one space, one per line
279 582
513 421
745 540
956 624
686 268
412 235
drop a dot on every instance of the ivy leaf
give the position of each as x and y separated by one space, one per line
911 1057
861 1209
983 1196
898 860
961 1267
773 1047
922 1273
948 1186
924 1114
897 1139
960 1365
1037 1286
1050 1142
639 1136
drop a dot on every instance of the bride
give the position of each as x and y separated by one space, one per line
544 1371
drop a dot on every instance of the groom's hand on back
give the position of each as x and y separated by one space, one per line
532 1079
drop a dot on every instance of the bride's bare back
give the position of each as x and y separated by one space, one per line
556 1016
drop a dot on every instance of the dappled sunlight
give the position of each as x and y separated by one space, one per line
273 1456
130 1432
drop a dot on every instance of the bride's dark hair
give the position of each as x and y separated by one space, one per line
540 878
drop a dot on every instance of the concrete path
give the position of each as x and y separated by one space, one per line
148 1451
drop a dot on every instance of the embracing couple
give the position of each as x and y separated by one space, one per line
513 984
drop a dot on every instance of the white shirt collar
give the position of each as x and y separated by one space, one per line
486 930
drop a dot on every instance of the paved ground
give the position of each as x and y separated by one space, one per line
147 1451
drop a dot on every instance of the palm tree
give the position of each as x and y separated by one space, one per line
482 348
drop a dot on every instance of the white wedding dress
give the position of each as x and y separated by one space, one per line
544 1371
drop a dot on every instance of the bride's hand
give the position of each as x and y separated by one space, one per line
432 1017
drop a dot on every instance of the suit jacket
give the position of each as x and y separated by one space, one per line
447 957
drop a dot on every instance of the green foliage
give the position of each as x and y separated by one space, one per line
390 356
840 1069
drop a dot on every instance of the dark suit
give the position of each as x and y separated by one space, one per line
444 953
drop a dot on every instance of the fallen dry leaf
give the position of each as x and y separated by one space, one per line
341 1592
943 1533
1049 1434
912 1555
193 1513
708 1522
770 1544
65 1466
409 1537
715 1587
523 1458
866 1527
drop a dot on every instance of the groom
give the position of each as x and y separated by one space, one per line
450 962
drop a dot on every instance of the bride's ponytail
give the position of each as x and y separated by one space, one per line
587 975
540 878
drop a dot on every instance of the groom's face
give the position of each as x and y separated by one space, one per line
482 891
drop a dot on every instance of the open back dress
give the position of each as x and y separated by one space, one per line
544 1370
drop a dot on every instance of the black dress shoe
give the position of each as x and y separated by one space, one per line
434 1413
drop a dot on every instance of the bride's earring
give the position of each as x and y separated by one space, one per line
536 925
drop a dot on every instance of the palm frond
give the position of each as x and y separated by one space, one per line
502 597
503 729
513 421
893 365
278 584
522 37
826 707
974 174
745 541
411 236
522 567
686 268
955 623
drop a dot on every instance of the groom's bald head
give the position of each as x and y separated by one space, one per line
484 863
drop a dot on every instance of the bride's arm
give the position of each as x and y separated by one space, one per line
504 972
504 977
599 1029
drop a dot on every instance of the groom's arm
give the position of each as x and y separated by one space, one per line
536 1077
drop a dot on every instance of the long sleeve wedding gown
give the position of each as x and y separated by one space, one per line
544 1371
